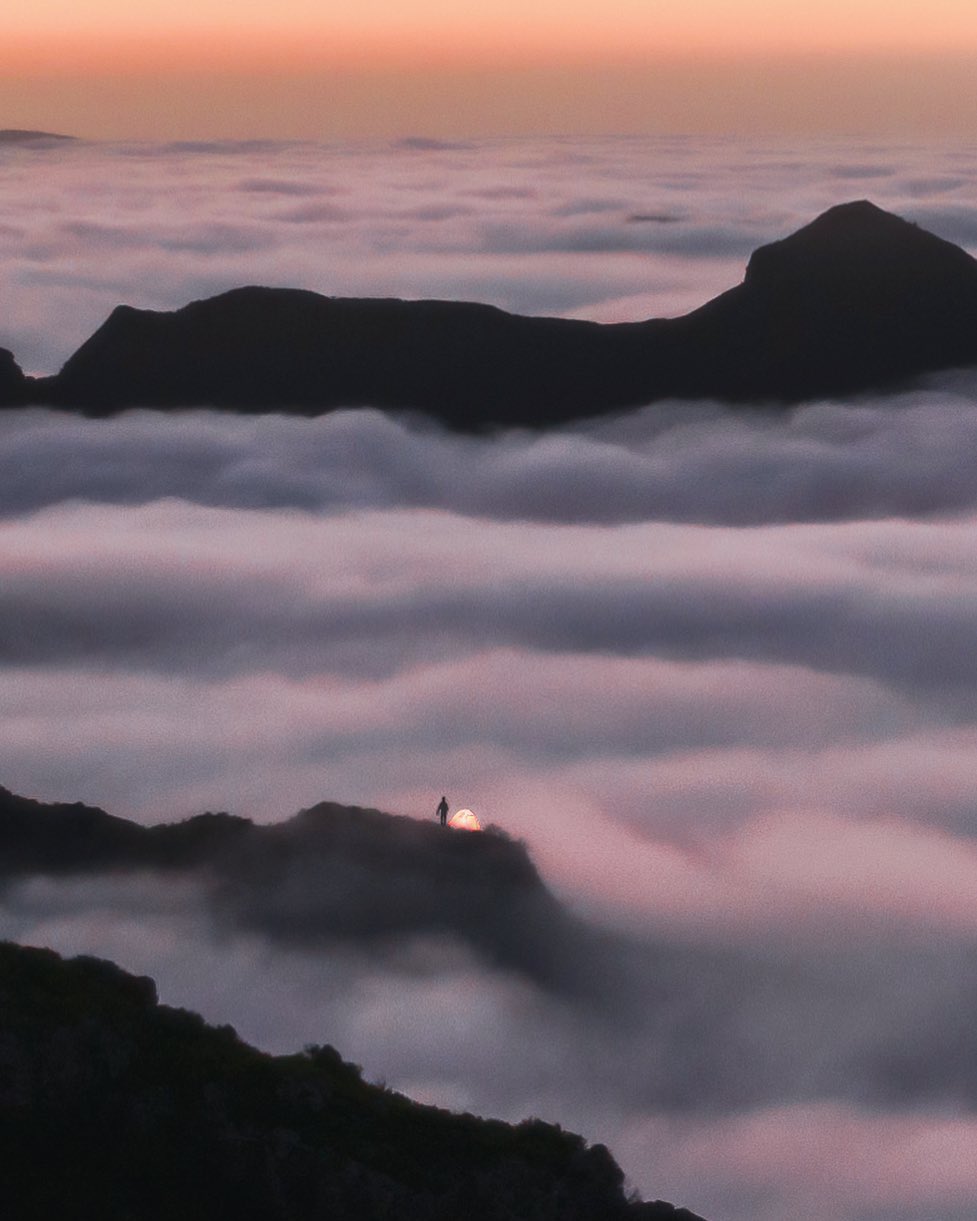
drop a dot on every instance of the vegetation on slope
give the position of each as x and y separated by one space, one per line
116 1107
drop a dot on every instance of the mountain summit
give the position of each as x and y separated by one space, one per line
858 245
855 301
858 300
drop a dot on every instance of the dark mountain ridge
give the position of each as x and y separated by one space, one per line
333 874
21 135
70 837
113 1106
858 300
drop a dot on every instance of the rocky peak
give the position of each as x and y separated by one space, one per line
860 246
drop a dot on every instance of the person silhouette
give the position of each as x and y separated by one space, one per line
442 810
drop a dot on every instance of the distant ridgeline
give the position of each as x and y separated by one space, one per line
858 300
336 874
113 1106
42 139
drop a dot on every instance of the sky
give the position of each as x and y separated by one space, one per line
108 69
716 668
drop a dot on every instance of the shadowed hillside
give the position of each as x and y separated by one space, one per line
14 386
61 837
334 874
113 1106
855 301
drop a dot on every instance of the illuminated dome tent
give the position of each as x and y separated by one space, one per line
464 820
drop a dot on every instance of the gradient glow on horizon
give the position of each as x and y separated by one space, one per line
217 68
545 25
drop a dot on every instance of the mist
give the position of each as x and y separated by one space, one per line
714 667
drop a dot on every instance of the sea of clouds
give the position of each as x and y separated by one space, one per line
716 667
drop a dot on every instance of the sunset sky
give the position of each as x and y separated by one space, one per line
381 67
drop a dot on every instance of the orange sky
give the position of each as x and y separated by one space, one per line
240 67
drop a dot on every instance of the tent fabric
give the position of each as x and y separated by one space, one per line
464 820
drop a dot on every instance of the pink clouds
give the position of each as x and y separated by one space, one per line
821 1161
792 873
717 668
685 683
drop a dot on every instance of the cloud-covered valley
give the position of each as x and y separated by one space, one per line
612 229
903 455
715 668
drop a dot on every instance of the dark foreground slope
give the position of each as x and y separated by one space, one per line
855 301
333 874
115 1107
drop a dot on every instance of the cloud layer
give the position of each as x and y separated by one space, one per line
716 668
903 455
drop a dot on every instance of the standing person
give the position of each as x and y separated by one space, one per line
442 810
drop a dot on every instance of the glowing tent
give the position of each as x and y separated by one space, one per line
464 820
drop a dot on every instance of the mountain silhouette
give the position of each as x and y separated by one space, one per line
113 1106
20 135
336 874
15 388
858 300
73 838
